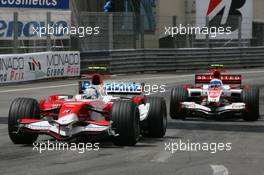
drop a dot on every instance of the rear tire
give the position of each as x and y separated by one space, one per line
125 117
178 95
251 98
156 122
22 108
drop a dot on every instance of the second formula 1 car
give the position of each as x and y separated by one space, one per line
118 110
215 94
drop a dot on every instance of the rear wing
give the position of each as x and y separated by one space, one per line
227 79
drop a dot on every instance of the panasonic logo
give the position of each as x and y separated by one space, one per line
26 28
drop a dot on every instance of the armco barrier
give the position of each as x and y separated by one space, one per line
161 60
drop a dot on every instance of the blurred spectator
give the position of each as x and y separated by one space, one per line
108 7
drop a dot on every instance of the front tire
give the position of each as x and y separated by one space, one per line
22 108
250 97
178 95
125 117
156 122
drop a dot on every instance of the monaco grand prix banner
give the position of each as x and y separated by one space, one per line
223 17
35 66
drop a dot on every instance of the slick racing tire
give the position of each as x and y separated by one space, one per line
156 123
178 95
22 108
250 97
125 118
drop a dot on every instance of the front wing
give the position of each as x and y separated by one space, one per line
62 132
200 109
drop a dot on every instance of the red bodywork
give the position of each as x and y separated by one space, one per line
56 107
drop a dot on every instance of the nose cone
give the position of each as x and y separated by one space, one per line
214 94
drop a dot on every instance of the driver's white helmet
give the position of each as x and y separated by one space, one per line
216 83
91 93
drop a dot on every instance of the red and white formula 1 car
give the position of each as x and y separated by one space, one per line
92 112
215 94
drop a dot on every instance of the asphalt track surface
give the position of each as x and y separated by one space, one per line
149 155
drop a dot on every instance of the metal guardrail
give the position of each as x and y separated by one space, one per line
179 60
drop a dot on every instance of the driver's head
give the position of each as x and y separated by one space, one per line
96 80
216 83
91 93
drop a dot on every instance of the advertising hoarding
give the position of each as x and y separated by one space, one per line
35 66
28 21
225 13
45 4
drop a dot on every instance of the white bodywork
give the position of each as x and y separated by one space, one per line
207 110
213 96
64 126
66 130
